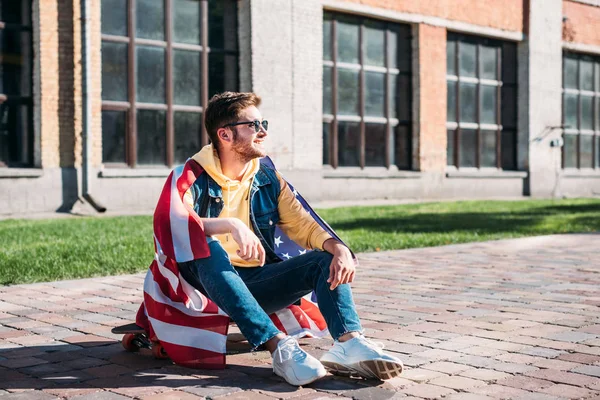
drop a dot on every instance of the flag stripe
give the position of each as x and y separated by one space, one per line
187 336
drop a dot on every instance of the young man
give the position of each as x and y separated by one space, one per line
240 202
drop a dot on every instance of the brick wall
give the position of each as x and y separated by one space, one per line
431 53
506 14
582 24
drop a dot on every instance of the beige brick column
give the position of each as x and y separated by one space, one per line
429 89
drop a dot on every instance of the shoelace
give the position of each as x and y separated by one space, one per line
290 350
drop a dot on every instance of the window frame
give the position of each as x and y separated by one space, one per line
457 126
132 105
26 25
595 95
390 123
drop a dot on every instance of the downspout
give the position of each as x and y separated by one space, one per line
86 110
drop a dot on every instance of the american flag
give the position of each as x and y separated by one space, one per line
190 327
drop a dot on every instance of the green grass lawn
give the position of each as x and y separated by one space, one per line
67 248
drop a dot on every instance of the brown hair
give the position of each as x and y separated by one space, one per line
226 108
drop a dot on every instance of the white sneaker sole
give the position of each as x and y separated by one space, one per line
377 369
304 382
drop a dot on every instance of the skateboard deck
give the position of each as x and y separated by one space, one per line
135 338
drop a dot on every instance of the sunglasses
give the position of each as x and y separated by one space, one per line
256 124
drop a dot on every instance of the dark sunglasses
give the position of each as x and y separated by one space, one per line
256 123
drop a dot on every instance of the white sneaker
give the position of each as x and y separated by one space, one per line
360 356
295 365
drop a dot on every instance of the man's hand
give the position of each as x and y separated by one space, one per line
342 266
248 242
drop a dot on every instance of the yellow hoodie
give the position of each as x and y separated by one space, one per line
294 220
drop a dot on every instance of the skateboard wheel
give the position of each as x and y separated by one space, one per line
158 351
128 342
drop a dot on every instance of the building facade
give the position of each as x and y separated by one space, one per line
365 98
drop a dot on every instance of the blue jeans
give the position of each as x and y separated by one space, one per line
248 295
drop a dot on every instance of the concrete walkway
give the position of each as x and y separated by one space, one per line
513 319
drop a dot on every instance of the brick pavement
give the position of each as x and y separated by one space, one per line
512 319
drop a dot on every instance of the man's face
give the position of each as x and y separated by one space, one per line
247 143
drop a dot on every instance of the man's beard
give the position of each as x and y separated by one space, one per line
244 151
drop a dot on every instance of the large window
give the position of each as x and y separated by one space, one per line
482 120
16 128
581 111
161 60
366 92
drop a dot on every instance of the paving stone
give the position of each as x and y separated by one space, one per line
541 352
29 395
370 393
103 395
247 395
283 390
563 377
525 383
428 391
456 382
334 385
588 370
483 374
568 391
421 375
499 391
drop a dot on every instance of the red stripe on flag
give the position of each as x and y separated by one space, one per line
162 220
313 313
171 315
164 284
277 322
192 357
300 316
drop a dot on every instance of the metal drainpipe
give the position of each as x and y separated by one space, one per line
86 109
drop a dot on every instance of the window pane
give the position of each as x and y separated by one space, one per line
451 57
586 74
114 17
375 94
488 62
488 104
186 21
15 12
150 21
374 44
450 138
488 148
113 136
467 59
597 151
348 144
402 145
375 145
150 74
186 77
508 150
468 148
586 151
597 77
327 94
222 24
327 37
587 112
570 72
222 73
151 137
399 47
570 151
400 95
326 143
15 62
468 106
451 101
509 63
16 134
187 135
570 110
114 71
348 92
347 42
508 104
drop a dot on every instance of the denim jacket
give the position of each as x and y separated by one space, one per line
264 195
